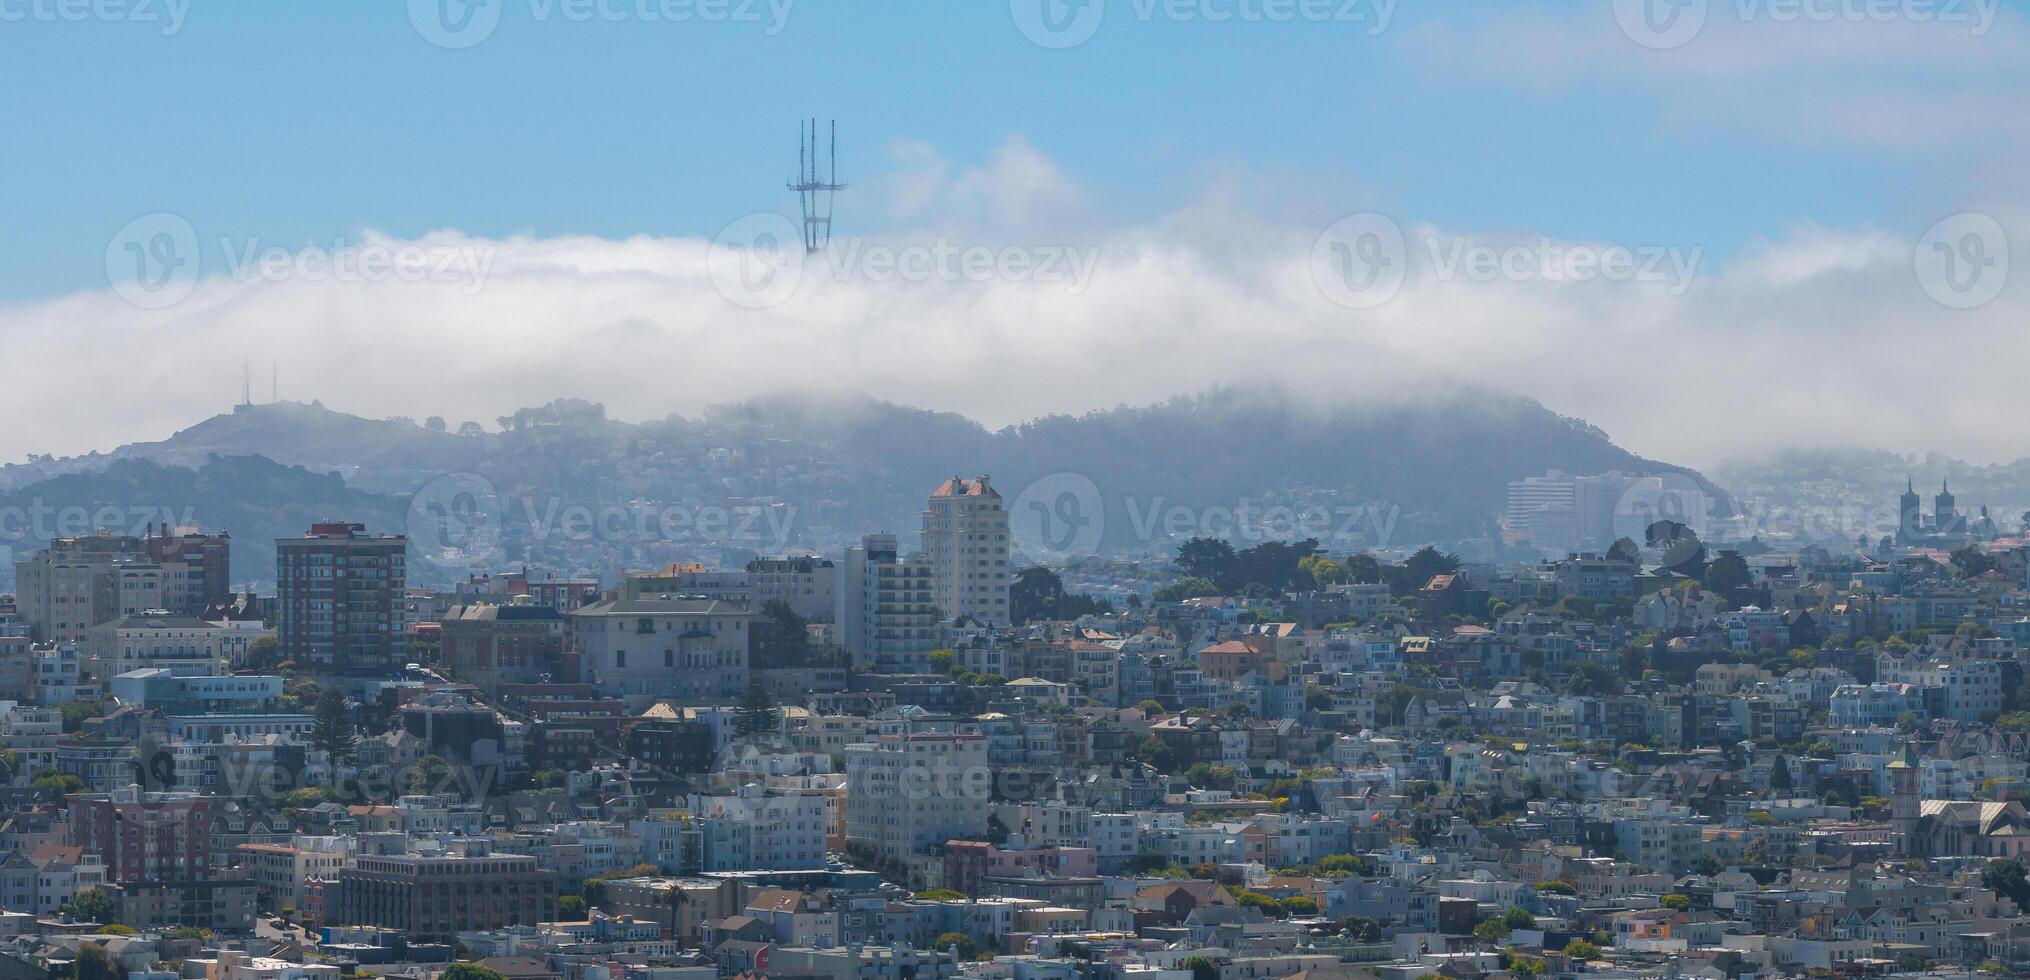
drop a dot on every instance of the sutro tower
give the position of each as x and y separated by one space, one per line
815 192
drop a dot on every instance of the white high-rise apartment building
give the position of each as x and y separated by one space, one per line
907 794
965 536
886 615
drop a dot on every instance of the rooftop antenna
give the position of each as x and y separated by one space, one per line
813 191
246 383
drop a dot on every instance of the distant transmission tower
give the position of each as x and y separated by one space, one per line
813 191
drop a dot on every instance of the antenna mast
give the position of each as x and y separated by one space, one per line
815 192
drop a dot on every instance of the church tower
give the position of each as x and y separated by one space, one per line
1910 517
1946 520
1904 804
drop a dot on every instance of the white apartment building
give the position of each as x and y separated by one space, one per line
806 583
182 645
965 536
887 613
906 795
280 870
666 647
778 829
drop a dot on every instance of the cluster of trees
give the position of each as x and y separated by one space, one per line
944 662
1037 593
1212 566
756 713
1495 930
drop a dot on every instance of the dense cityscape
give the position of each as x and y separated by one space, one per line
1014 490
922 757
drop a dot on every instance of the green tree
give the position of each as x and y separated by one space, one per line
1779 775
54 785
1729 571
1580 949
1624 549
757 712
1201 968
470 971
941 895
430 776
781 637
94 904
570 908
1038 594
1189 587
93 964
261 655
2006 877
1676 901
115 929
945 941
75 713
1516 918
1210 559
331 729
1428 562
1361 929
1298 905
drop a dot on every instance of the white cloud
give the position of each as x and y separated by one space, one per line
1821 337
1918 75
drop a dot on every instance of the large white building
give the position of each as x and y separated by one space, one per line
182 645
766 829
965 537
906 795
887 613
676 647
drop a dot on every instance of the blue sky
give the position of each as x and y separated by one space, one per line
297 121
1807 159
